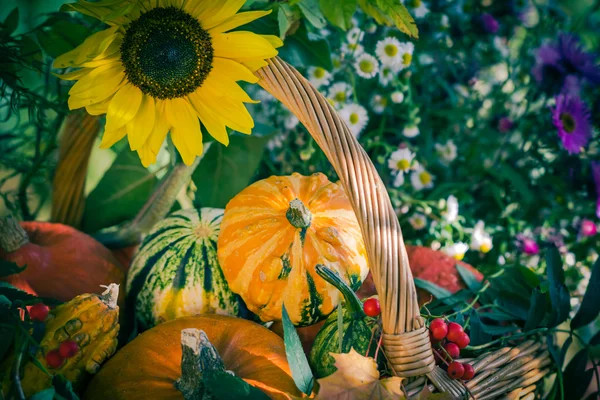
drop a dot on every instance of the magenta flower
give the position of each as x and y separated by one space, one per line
490 24
588 228
530 246
572 119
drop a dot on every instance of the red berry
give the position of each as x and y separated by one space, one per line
454 331
372 308
452 350
54 359
39 312
68 349
438 329
469 372
456 370
463 340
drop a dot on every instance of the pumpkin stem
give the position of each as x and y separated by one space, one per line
198 356
155 209
12 235
298 215
353 303
110 295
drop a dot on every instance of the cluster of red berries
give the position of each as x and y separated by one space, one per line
67 349
450 338
371 307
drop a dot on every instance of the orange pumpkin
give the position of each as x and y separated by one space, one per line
148 366
276 231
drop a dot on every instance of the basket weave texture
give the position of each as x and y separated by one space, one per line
509 373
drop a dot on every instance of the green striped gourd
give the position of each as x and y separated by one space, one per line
357 328
176 273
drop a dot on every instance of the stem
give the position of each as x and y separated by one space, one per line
353 303
16 386
198 355
298 215
502 339
12 235
110 295
155 209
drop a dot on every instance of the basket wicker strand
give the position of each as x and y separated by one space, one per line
507 372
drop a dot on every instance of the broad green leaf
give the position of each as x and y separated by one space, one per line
477 333
224 386
559 295
496 330
284 19
371 10
8 268
339 12
61 36
301 50
400 15
64 388
11 23
537 310
595 340
301 372
312 12
576 376
14 294
47 394
438 292
225 171
469 278
590 305
120 194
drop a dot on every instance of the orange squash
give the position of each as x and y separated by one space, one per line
276 231
61 261
149 366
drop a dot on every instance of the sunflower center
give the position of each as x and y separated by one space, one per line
568 122
166 53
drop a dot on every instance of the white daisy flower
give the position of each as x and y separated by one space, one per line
421 179
400 162
371 28
447 152
456 250
336 61
481 240
388 51
410 131
339 93
355 116
425 59
366 66
418 221
417 8
291 121
318 76
387 74
397 97
406 54
451 212
355 35
379 103
352 49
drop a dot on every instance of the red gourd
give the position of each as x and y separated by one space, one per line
61 261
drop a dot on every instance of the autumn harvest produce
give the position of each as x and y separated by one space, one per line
79 336
175 272
273 235
150 365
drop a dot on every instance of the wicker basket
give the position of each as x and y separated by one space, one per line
509 373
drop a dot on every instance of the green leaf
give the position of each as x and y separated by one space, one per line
61 36
595 340
374 12
229 169
575 376
7 332
300 50
224 386
477 333
64 388
590 305
559 295
469 278
47 394
339 12
438 292
312 12
496 330
120 194
8 268
11 23
15 294
301 372
284 19
400 15
537 310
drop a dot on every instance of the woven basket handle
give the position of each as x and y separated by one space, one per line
405 338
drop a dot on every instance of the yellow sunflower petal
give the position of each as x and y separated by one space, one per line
111 137
254 65
96 94
111 54
202 9
90 48
238 20
274 40
74 75
185 129
233 69
212 16
241 45
235 115
140 127
98 108
150 149
212 123
221 87
97 76
123 107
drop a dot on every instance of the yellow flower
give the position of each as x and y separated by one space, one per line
167 66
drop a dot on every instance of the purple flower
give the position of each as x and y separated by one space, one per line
588 228
576 60
489 23
548 66
596 175
505 124
572 119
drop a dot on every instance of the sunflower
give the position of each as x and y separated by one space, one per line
167 66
